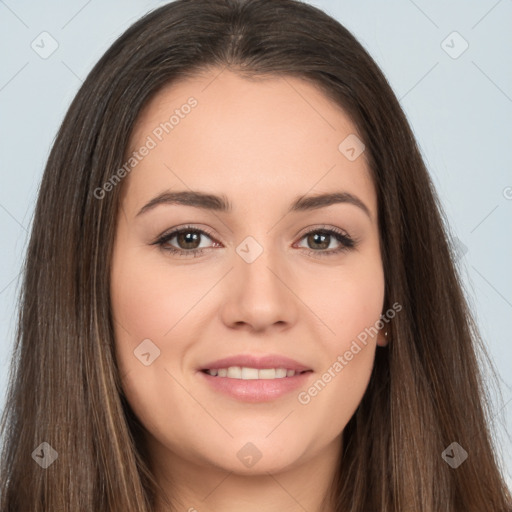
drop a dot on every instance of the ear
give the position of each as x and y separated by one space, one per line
382 338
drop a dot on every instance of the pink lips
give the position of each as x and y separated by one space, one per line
260 362
256 390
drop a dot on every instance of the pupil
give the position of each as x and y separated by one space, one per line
188 238
323 237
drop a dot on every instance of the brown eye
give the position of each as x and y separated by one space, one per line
319 240
185 241
188 239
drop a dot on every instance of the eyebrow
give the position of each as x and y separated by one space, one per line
221 203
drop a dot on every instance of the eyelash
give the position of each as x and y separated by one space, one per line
347 243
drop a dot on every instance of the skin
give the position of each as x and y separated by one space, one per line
262 143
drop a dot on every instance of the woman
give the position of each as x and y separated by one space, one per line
256 370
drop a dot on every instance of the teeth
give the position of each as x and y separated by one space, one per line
268 373
247 373
244 373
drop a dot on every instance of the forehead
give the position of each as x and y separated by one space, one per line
251 139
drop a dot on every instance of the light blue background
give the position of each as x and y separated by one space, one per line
460 110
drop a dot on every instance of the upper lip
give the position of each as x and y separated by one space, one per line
257 361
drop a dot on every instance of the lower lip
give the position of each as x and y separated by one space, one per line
256 390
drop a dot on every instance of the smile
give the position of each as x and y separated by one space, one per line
246 373
254 389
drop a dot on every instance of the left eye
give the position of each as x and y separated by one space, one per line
188 239
322 238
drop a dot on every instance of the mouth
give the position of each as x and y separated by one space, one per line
249 373
253 385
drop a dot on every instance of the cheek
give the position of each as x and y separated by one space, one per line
350 308
347 300
336 392
146 303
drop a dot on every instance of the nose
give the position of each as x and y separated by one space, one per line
260 294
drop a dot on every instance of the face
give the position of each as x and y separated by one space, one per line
259 278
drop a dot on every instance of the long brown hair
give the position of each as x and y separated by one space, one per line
426 390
